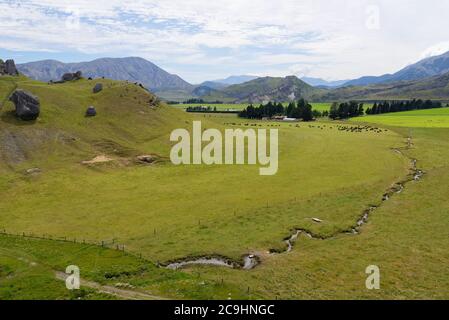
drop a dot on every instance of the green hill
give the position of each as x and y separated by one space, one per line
130 121
265 89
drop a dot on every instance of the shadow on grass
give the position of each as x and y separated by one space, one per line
10 117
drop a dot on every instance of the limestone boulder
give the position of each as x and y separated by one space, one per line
27 105
98 87
91 112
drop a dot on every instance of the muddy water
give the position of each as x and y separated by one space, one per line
201 261
249 261
290 242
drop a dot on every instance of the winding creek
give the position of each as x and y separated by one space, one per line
250 261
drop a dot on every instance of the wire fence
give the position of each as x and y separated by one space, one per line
111 243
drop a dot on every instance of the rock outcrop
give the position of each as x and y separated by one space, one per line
147 158
8 68
33 171
72 76
27 105
91 112
98 87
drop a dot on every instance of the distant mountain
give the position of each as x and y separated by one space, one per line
367 80
213 85
202 91
229 81
267 88
429 67
235 80
436 87
133 69
317 82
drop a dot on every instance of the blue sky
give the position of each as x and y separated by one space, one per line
203 40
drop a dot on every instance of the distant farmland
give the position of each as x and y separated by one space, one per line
431 118
320 106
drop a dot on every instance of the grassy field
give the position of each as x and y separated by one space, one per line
164 212
432 118
148 199
28 269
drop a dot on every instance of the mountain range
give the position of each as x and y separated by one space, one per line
426 68
425 78
436 87
317 82
229 81
265 89
133 69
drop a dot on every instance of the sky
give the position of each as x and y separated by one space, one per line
204 40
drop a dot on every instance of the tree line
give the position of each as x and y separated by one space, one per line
298 110
303 110
398 106
207 109
198 101
346 110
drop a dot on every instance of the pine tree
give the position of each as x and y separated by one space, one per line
289 110
361 111
307 114
333 112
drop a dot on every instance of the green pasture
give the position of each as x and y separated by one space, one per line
162 212
431 118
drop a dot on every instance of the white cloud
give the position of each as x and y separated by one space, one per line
210 39
436 50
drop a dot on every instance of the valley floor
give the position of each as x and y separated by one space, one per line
328 171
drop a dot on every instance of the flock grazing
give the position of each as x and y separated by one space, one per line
339 127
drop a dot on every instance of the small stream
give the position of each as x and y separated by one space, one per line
200 261
250 261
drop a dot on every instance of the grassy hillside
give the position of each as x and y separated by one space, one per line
327 170
130 122
266 89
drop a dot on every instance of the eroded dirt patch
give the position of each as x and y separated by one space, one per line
98 159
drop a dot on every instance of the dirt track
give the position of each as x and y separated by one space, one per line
121 293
